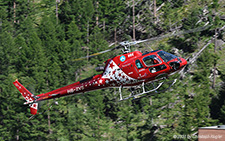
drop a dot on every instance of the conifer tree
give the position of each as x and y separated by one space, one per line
97 44
191 23
76 49
7 111
37 49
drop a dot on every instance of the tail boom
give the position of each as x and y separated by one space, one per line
89 84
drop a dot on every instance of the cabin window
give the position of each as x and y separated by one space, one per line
151 60
138 64
157 68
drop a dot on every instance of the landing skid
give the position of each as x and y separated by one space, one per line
142 90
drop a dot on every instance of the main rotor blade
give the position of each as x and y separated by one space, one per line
98 53
172 34
147 40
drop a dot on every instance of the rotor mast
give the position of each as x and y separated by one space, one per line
126 46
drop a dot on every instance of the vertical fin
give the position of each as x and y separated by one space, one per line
28 96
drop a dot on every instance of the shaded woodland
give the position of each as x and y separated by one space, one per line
41 39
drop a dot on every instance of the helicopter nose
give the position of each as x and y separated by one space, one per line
183 62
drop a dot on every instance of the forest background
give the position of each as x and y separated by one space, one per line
39 40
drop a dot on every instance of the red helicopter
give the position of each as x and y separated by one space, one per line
131 69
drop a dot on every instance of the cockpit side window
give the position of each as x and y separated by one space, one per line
151 60
138 64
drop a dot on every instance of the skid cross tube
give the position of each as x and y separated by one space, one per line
143 87
120 90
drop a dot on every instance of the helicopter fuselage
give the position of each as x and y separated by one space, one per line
125 70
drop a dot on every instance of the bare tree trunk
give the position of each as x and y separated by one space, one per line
14 11
88 31
56 10
115 34
87 53
97 13
49 122
104 25
17 132
150 101
214 71
155 11
98 126
134 21
17 136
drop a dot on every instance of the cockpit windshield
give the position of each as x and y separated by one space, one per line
166 56
151 60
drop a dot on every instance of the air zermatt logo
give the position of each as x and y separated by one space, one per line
131 55
122 58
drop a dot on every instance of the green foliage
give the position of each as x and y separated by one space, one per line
97 42
39 50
